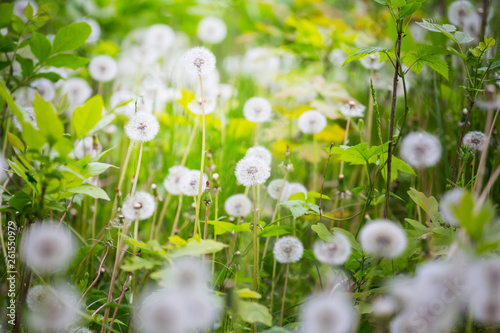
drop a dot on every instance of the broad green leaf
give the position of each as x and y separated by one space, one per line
428 204
437 26
221 227
138 263
419 227
472 217
297 208
90 190
275 230
47 120
40 46
322 232
397 3
354 243
313 194
28 11
15 141
360 154
463 38
54 77
67 60
71 37
425 54
27 65
85 117
199 247
252 312
363 51
6 10
247 293
408 9
397 165
96 168
20 200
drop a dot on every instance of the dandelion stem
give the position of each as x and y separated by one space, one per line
177 215
255 242
323 184
200 185
459 145
284 295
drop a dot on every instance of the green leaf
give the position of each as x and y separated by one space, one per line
26 65
15 141
397 166
40 46
439 65
199 247
85 117
20 200
425 54
297 208
221 227
247 293
313 194
252 312
51 127
6 10
408 9
90 190
54 77
96 168
138 263
67 60
397 3
354 243
71 37
28 11
472 217
322 232
419 227
363 51
275 230
360 154
428 204
278 329
463 37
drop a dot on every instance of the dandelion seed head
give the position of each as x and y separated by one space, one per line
47 247
142 127
95 33
384 306
162 312
327 314
334 252
212 30
199 61
160 36
30 112
209 104
311 122
118 98
203 311
257 110
252 171
372 61
460 12
277 189
483 290
103 68
450 200
288 249
77 90
421 149
474 140
172 181
383 238
186 274
139 207
352 109
45 88
294 188
260 152
238 205
190 181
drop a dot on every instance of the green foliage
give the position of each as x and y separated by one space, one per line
427 55
87 116
71 37
251 312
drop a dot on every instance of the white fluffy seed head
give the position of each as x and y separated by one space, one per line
139 207
260 152
186 274
474 140
288 249
352 109
483 290
142 127
172 181
162 312
460 12
311 122
294 188
77 90
383 238
47 247
450 201
190 181
209 105
212 30
334 252
327 314
421 149
252 171
238 205
103 68
199 61
257 110
160 36
372 61
95 33
277 189
45 88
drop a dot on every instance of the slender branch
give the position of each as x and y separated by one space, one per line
97 277
459 145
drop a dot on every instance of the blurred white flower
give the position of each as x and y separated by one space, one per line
45 89
277 189
257 110
352 109
337 57
103 68
86 147
172 181
483 284
95 34
163 312
203 310
460 12
238 205
384 306
160 36
190 181
260 152
421 149
48 248
139 207
186 274
294 188
311 122
383 238
118 98
334 252
199 61
30 112
450 200
3 167
252 171
327 313
474 140
142 127
77 90
372 61
288 249
211 30
210 104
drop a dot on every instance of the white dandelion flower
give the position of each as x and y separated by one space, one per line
210 104
288 249
311 122
460 12
334 252
172 181
474 140
238 205
77 90
141 54
383 238
337 57
483 289
20 6
485 306
80 330
203 311
30 112
252 171
327 314
103 68
257 110
421 149
186 274
160 36
260 152
277 189
142 127
189 183
384 306
86 147
199 61
372 61
47 247
294 188
163 312
352 109
53 308
45 88
95 33
225 91
450 200
139 207
211 30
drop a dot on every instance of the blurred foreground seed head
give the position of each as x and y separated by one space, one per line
334 252
383 238
211 30
238 205
421 149
257 110
311 122
277 188
190 182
